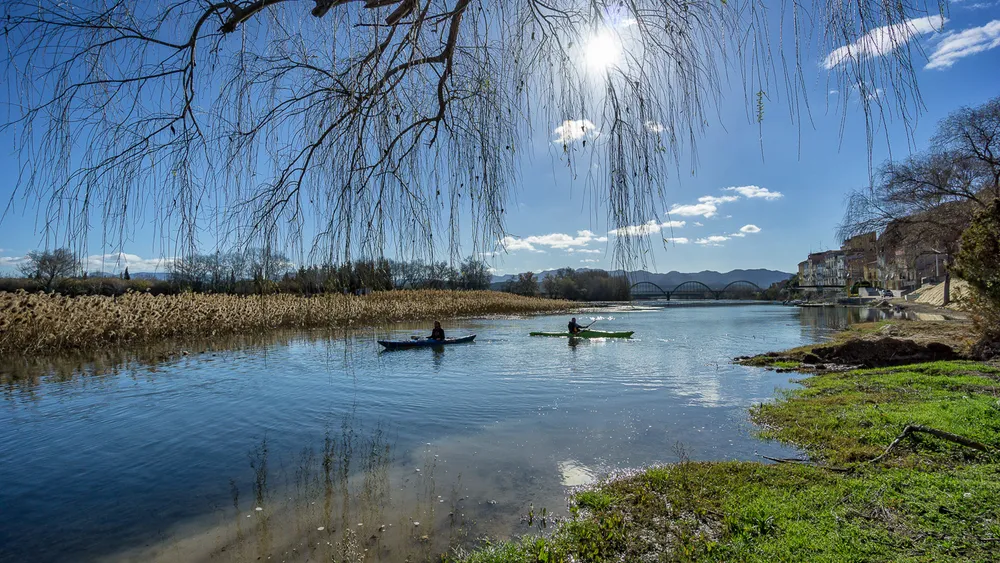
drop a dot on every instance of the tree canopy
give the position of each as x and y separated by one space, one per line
351 126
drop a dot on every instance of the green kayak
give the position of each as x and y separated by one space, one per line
588 334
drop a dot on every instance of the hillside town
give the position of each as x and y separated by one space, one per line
883 262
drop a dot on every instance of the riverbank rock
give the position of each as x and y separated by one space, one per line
882 352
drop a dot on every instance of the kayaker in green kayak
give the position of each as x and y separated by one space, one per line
574 328
438 332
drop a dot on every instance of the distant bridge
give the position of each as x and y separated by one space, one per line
695 290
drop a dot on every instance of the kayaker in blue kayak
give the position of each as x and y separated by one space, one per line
438 332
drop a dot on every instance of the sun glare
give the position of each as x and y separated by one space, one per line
602 51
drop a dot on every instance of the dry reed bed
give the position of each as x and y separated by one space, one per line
38 323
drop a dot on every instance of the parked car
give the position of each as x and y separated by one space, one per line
888 294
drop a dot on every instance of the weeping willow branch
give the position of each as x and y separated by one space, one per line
349 127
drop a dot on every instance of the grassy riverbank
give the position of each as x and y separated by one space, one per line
926 499
42 324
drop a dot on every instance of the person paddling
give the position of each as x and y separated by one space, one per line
575 328
438 332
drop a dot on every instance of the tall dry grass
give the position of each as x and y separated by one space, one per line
38 323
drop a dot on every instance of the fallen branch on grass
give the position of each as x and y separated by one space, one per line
912 428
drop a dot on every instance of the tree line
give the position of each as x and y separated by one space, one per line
574 285
254 272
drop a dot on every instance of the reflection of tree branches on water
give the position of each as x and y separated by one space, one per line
369 124
375 491
318 476
258 462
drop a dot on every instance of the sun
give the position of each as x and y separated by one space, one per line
602 51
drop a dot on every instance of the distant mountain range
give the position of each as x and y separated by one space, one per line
761 277
150 276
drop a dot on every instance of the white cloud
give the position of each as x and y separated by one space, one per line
588 251
832 92
714 239
655 127
707 206
590 261
749 229
553 240
977 5
676 240
718 200
738 235
11 262
751 192
883 40
117 262
699 224
561 240
647 228
703 209
573 130
510 244
955 46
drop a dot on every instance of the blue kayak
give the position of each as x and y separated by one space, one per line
424 342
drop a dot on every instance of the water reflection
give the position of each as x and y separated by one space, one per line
358 456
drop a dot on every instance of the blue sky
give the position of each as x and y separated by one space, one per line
760 197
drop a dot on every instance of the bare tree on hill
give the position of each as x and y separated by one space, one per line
353 126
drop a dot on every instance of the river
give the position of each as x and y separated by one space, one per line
313 446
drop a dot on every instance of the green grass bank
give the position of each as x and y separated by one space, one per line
927 499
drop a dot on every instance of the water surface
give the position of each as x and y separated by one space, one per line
375 456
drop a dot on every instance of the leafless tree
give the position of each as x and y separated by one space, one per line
971 137
349 126
49 266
